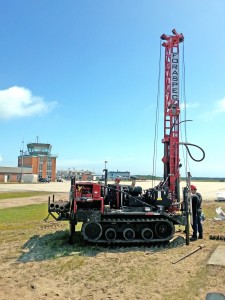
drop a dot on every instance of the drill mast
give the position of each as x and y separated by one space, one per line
171 112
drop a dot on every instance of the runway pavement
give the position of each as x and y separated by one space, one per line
46 187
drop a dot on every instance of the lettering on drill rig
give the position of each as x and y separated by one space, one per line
175 77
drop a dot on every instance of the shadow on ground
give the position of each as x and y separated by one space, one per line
54 245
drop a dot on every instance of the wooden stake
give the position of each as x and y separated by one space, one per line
199 247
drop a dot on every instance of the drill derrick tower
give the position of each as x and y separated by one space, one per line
171 158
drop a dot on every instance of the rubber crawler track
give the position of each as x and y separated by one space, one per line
176 242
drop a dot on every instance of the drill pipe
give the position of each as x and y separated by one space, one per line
59 206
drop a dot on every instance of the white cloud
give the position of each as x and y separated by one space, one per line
218 108
189 105
16 102
221 105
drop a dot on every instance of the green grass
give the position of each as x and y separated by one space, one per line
14 215
29 221
10 195
25 227
210 209
24 217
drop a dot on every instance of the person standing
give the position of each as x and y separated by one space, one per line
196 214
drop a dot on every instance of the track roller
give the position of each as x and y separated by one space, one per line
92 231
128 234
110 234
147 234
163 229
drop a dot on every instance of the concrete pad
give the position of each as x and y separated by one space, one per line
218 257
215 296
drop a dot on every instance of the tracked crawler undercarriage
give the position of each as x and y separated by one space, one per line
120 217
130 230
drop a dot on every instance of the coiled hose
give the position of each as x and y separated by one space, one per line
189 152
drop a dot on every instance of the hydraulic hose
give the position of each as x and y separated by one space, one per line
189 144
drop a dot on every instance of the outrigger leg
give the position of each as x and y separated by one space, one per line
72 233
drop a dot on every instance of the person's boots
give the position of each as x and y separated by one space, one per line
200 236
193 238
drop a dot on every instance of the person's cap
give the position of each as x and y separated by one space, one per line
193 187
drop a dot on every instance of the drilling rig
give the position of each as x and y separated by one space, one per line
117 213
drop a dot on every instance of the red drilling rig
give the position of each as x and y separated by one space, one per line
116 213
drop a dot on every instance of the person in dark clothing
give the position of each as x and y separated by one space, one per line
196 214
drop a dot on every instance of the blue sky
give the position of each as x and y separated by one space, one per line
83 76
